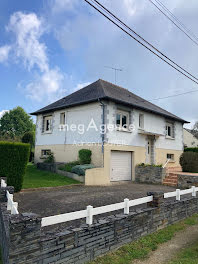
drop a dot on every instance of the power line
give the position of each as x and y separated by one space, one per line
174 95
120 21
144 45
174 22
178 21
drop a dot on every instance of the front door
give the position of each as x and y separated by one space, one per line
150 151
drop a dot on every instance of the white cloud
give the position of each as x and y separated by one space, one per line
80 86
28 29
3 112
4 52
48 86
62 5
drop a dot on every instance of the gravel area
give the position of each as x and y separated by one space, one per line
53 201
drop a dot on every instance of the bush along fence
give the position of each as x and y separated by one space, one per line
24 240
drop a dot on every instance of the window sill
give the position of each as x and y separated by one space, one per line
171 138
171 161
123 130
46 132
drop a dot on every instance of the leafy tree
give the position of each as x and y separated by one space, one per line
195 130
15 123
29 137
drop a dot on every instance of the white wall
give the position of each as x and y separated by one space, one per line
152 123
84 114
189 140
75 115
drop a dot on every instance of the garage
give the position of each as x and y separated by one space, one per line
121 166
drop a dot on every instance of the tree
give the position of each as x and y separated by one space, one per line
195 130
15 123
29 137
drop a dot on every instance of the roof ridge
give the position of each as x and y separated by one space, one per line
114 85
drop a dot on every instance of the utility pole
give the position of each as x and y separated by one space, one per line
115 69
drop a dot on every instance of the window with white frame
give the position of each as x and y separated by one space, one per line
141 121
45 152
122 120
170 157
169 130
62 118
47 124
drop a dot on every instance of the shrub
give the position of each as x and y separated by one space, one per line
80 169
50 158
68 167
85 156
191 150
149 165
189 161
28 137
13 162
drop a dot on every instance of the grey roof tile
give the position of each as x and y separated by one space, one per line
105 90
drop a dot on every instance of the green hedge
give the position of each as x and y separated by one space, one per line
13 161
85 156
80 169
191 150
189 162
68 167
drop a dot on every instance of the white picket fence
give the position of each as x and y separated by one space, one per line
90 211
11 205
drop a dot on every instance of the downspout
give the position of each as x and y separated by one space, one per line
103 124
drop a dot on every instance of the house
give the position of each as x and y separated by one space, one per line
121 128
190 141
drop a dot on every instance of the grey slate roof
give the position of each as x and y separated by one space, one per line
104 90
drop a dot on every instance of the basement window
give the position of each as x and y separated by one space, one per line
45 153
170 157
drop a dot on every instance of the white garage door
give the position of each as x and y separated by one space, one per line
120 166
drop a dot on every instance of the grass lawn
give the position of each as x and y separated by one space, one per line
141 248
188 255
35 178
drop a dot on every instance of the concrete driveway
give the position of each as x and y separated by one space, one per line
66 199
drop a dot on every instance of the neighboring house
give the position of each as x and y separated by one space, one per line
138 131
190 141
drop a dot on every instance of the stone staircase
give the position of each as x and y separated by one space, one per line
171 178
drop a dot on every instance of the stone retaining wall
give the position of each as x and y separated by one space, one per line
149 174
186 181
23 241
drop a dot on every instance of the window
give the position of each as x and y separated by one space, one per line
170 130
45 152
170 157
122 120
62 119
47 124
141 121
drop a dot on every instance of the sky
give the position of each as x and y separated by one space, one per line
51 48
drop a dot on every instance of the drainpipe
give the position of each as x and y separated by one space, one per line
103 123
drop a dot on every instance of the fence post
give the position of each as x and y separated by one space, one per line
9 203
158 199
89 218
193 191
178 194
126 206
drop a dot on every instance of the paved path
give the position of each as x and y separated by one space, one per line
168 250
